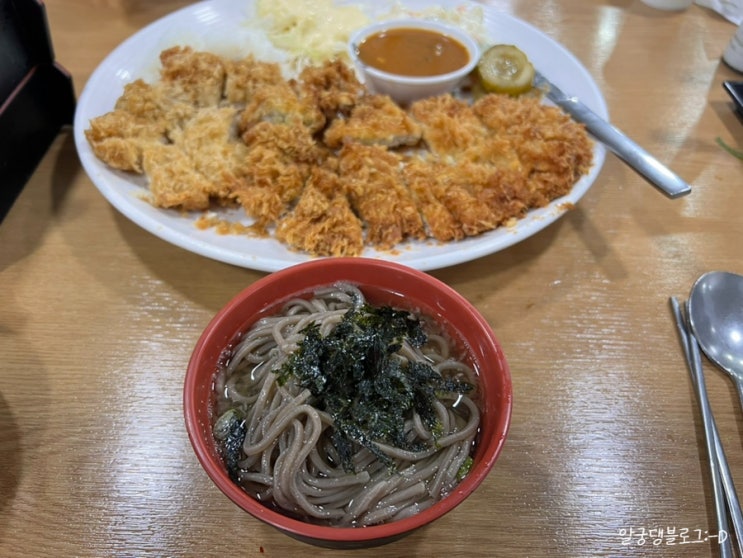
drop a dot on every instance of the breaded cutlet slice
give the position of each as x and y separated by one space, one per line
373 178
420 178
278 103
322 222
275 168
465 199
332 86
506 193
454 185
191 76
245 76
294 142
269 185
143 100
375 120
553 150
118 138
173 180
152 103
210 140
449 126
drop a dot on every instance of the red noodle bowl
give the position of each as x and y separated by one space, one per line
383 283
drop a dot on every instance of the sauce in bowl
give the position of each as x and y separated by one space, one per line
413 52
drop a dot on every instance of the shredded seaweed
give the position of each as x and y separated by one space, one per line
354 376
230 429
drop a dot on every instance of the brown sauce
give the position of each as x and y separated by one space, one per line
413 52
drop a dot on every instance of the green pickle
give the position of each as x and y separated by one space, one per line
505 69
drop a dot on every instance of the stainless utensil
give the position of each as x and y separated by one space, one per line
716 317
631 153
725 496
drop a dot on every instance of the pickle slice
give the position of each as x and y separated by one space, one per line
505 69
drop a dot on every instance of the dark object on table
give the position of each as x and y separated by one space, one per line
735 90
36 95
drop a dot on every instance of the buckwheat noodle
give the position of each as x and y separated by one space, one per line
288 460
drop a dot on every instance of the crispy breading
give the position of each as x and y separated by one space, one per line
454 186
420 178
142 100
333 86
211 142
552 149
449 126
191 76
503 114
465 199
373 178
293 141
279 103
118 138
152 103
269 184
506 193
322 223
173 180
244 77
276 166
375 120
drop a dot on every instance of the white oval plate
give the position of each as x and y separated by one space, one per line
222 27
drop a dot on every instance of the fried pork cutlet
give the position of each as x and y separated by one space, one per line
454 186
192 76
142 100
293 141
333 87
276 167
375 120
210 140
118 138
151 102
552 149
237 132
280 104
322 222
504 191
142 114
268 186
244 77
450 128
373 178
173 180
441 224
465 199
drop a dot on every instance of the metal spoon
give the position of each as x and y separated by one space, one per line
716 317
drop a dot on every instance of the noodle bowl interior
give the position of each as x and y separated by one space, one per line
340 412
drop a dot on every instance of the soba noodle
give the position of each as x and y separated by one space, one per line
288 459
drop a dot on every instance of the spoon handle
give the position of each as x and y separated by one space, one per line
717 459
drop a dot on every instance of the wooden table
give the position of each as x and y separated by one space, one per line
99 317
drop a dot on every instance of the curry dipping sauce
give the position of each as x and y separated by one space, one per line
413 52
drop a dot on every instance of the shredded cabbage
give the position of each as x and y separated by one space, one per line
314 29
